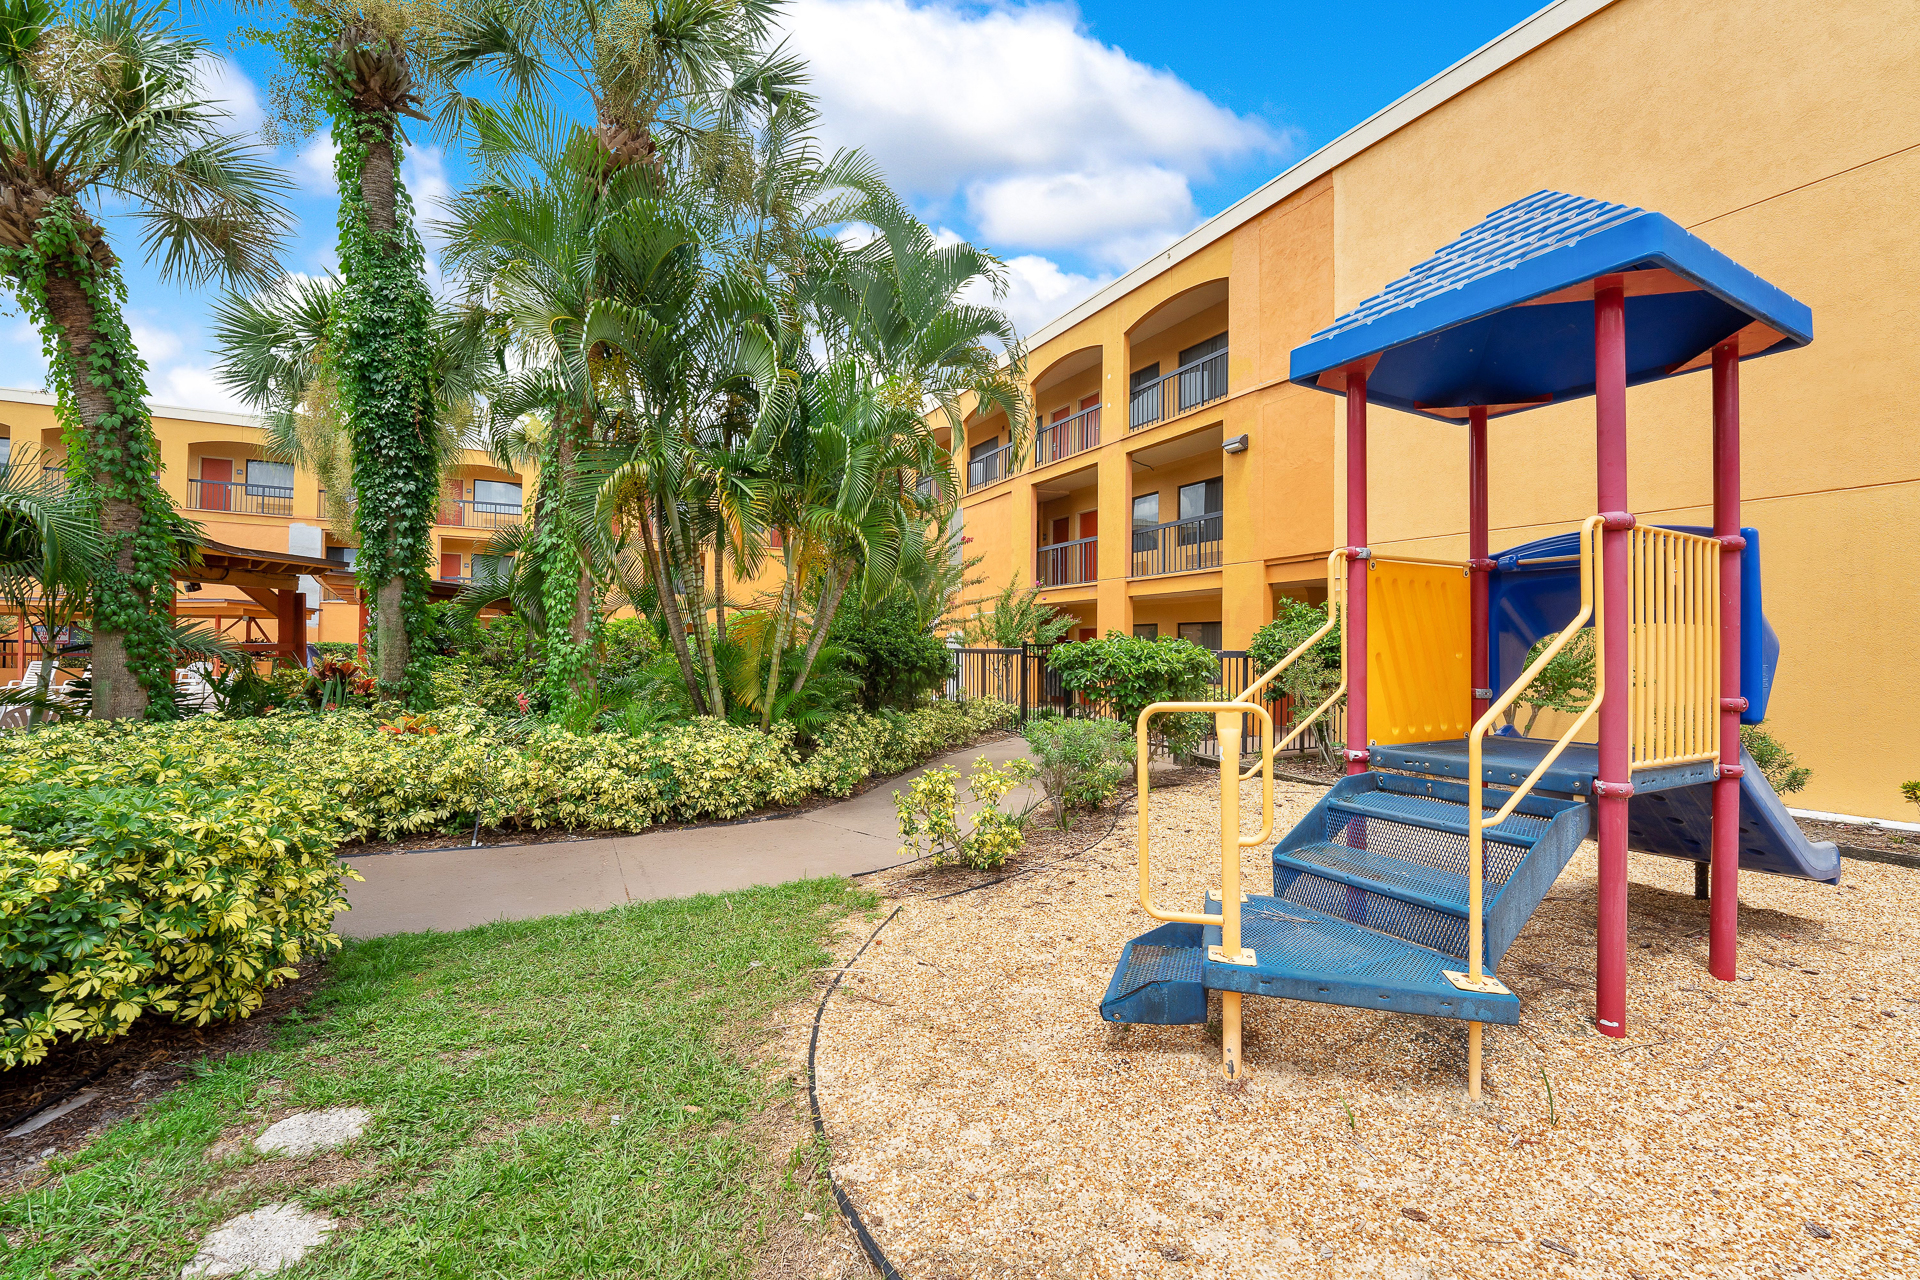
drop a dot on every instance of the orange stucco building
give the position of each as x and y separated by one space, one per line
1177 484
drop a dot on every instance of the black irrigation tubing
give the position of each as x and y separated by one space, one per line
867 1242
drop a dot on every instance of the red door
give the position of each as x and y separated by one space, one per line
1089 551
451 509
1060 529
1088 403
216 484
449 565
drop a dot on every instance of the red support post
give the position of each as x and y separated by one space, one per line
1477 550
300 629
1356 619
362 593
1616 765
1723 947
286 605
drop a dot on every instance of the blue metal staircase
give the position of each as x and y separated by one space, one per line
1369 908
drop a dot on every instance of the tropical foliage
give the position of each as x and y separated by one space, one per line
102 105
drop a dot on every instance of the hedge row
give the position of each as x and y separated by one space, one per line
387 785
185 868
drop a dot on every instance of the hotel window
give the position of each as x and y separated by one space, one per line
496 497
1204 634
1146 631
269 479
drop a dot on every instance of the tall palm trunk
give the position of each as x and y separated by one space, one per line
783 613
687 560
393 645
109 436
822 623
669 606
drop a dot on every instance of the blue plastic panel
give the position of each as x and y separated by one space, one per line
1525 602
1452 332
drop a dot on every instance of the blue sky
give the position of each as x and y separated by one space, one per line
1073 141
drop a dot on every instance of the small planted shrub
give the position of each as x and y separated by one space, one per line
930 821
1784 774
119 900
1079 764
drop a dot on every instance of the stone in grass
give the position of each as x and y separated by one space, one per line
309 1131
259 1243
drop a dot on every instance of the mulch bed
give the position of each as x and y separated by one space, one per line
986 1123
124 1076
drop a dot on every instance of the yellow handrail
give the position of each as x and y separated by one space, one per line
1224 712
1226 726
1592 605
1336 604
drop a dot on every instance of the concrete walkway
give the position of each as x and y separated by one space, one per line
461 887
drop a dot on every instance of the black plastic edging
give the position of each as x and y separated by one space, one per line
867 1242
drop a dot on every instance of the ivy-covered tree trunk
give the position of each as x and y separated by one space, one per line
379 342
69 283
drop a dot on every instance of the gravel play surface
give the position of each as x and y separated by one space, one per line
987 1123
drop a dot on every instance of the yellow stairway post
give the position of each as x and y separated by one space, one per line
1226 729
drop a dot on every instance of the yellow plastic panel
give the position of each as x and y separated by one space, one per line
1419 687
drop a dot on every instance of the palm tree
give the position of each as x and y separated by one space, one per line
101 103
571 251
687 73
275 348
367 67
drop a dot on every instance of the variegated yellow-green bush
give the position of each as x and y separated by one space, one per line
380 785
119 898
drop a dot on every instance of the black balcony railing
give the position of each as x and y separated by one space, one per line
990 468
237 496
54 476
1178 546
465 513
1067 437
1067 564
1183 390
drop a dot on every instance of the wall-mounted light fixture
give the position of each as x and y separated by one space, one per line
1238 444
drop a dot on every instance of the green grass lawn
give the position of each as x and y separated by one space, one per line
564 1097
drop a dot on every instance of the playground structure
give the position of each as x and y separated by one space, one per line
1408 881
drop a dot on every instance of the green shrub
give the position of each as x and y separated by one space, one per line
929 812
1079 764
388 785
1313 676
1130 674
120 898
897 661
1784 774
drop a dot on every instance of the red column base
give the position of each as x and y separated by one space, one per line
1723 930
1610 968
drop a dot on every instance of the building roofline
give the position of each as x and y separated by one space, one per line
18 395
1504 49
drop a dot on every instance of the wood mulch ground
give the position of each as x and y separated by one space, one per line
987 1123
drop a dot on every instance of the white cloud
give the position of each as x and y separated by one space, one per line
314 165
1074 209
1047 137
226 85
190 386
156 345
1038 290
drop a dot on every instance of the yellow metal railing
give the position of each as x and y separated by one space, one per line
1336 604
1226 721
1227 725
1674 708
1592 608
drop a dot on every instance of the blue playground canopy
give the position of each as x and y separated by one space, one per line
1503 316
